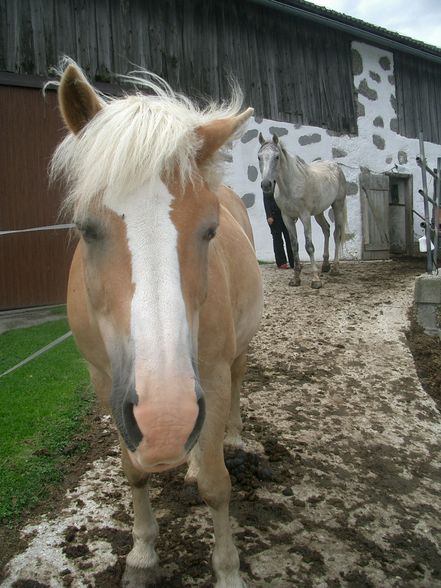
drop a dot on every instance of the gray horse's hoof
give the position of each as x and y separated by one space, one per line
294 282
316 284
326 266
141 577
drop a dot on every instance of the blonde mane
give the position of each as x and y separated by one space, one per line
134 139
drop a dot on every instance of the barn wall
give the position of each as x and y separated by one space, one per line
418 90
283 63
33 264
378 147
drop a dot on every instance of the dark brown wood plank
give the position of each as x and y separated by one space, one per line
289 68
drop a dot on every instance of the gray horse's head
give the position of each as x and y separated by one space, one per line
269 162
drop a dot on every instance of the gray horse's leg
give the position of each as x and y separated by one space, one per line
306 220
320 218
290 224
340 221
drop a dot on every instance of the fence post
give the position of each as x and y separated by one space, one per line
426 205
436 211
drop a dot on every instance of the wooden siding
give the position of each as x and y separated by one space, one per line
418 87
33 266
290 69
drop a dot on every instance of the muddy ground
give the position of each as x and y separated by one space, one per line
341 483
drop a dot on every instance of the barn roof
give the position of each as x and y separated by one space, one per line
355 27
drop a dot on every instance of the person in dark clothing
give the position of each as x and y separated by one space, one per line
278 228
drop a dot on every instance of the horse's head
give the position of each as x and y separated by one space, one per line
138 169
269 162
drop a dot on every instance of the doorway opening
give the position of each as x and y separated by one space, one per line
400 214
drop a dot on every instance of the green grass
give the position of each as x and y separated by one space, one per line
61 309
43 409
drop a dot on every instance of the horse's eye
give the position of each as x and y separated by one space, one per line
89 231
210 234
276 157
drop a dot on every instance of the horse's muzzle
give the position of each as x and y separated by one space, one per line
267 186
158 434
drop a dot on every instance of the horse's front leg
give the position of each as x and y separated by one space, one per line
142 562
213 478
234 426
306 220
290 224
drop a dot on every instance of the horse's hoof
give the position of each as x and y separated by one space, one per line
316 284
145 577
294 282
326 266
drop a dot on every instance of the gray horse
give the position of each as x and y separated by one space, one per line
302 191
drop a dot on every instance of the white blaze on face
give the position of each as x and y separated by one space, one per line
159 325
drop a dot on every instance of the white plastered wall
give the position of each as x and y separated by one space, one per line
378 148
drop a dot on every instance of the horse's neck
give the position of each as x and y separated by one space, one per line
291 180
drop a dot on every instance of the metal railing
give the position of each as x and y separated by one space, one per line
431 222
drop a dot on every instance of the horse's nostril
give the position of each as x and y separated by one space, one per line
130 430
198 425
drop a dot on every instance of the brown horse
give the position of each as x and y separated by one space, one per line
164 291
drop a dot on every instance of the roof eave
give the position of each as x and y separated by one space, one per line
351 29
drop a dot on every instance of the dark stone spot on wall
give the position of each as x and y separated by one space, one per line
351 188
249 199
361 111
378 141
258 119
389 159
333 133
391 79
279 131
357 63
249 135
385 63
402 157
338 153
252 173
394 125
308 139
317 159
367 92
393 101
298 125
378 121
374 76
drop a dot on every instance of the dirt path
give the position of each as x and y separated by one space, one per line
344 489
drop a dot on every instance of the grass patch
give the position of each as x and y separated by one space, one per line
44 405
61 309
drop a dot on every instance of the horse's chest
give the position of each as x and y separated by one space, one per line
290 206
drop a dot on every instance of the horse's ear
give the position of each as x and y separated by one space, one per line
275 139
261 139
217 132
77 100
